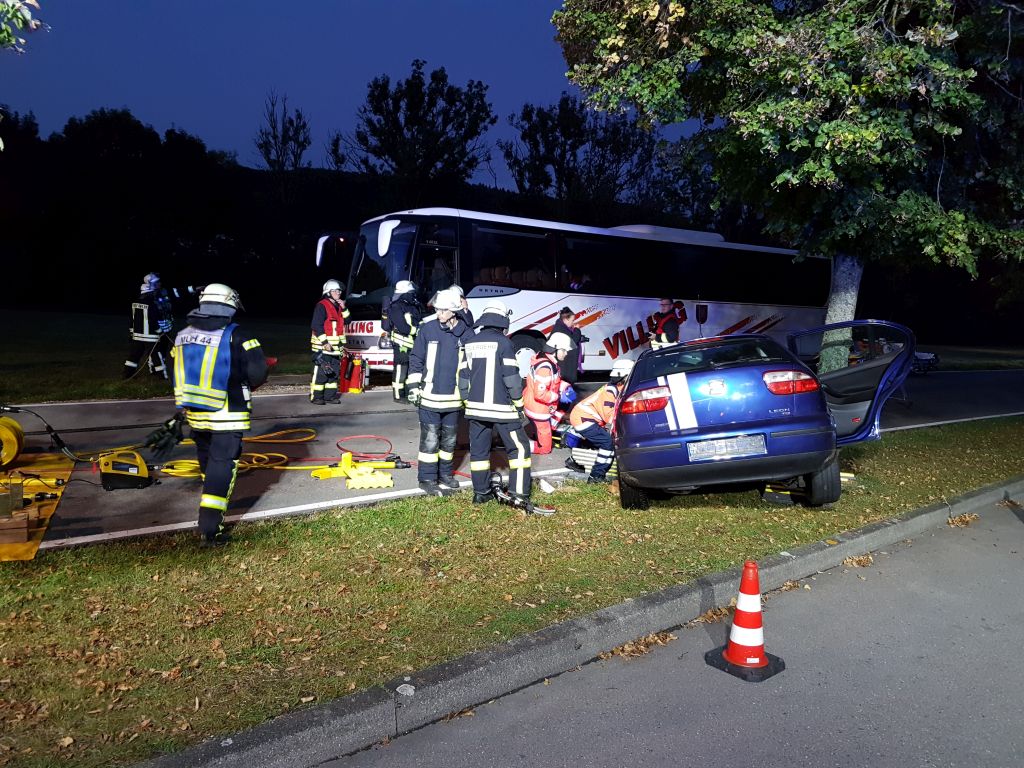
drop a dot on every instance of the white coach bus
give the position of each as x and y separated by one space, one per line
611 278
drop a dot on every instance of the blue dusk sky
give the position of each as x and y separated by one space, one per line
206 66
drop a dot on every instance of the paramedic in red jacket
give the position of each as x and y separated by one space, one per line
545 390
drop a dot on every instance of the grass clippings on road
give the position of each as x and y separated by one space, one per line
117 652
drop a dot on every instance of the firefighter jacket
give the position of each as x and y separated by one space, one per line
544 387
151 316
216 367
598 408
328 326
434 364
666 329
489 379
404 315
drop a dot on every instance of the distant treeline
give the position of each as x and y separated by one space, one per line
88 211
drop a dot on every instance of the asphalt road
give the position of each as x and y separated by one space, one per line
87 513
909 662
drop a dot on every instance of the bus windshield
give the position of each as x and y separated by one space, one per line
374 272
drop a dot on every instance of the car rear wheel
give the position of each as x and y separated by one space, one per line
632 497
824 486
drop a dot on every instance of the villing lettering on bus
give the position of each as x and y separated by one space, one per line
629 338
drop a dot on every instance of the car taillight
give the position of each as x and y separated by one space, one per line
789 382
646 400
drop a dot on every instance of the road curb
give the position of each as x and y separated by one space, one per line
314 736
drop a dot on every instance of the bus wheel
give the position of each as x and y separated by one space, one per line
526 346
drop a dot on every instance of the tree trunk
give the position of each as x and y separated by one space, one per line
847 271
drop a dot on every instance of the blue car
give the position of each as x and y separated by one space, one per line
743 409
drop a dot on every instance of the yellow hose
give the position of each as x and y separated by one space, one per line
247 461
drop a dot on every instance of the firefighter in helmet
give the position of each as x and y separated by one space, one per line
545 390
217 365
433 386
492 391
403 317
592 419
327 340
152 321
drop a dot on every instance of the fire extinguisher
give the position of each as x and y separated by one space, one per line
354 375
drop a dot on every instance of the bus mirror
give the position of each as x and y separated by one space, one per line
320 248
384 235
702 314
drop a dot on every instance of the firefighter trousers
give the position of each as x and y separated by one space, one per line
323 387
437 444
598 436
517 446
218 454
155 354
401 373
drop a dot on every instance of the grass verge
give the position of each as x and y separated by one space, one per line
82 356
112 654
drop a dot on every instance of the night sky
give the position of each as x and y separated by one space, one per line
206 66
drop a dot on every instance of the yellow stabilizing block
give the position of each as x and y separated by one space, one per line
369 478
360 474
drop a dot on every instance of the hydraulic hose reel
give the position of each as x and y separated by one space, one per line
12 440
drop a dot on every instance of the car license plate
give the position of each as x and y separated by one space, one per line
726 448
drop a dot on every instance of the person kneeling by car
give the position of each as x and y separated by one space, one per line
433 385
545 389
592 417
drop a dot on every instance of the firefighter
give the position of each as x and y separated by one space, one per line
666 324
492 391
593 416
403 317
433 386
216 367
152 321
327 339
545 389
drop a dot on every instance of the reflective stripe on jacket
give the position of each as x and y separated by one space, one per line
544 386
404 314
489 379
434 365
328 326
598 408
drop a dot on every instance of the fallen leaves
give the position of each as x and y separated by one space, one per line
640 646
961 521
859 561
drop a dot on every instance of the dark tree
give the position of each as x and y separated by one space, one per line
420 131
577 155
284 137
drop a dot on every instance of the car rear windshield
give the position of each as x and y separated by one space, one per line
721 353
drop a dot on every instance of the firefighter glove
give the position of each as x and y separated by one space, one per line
161 441
415 396
523 418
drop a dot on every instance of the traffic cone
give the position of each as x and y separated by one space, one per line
744 655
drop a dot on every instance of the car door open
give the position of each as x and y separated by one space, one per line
877 357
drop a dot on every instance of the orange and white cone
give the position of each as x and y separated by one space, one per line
744 655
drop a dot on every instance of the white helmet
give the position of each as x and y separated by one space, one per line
559 340
457 289
448 299
218 293
621 369
149 283
496 307
333 285
405 286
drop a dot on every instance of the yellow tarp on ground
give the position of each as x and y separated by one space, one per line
50 467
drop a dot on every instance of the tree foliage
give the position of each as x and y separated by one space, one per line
420 131
15 20
284 137
884 130
575 154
